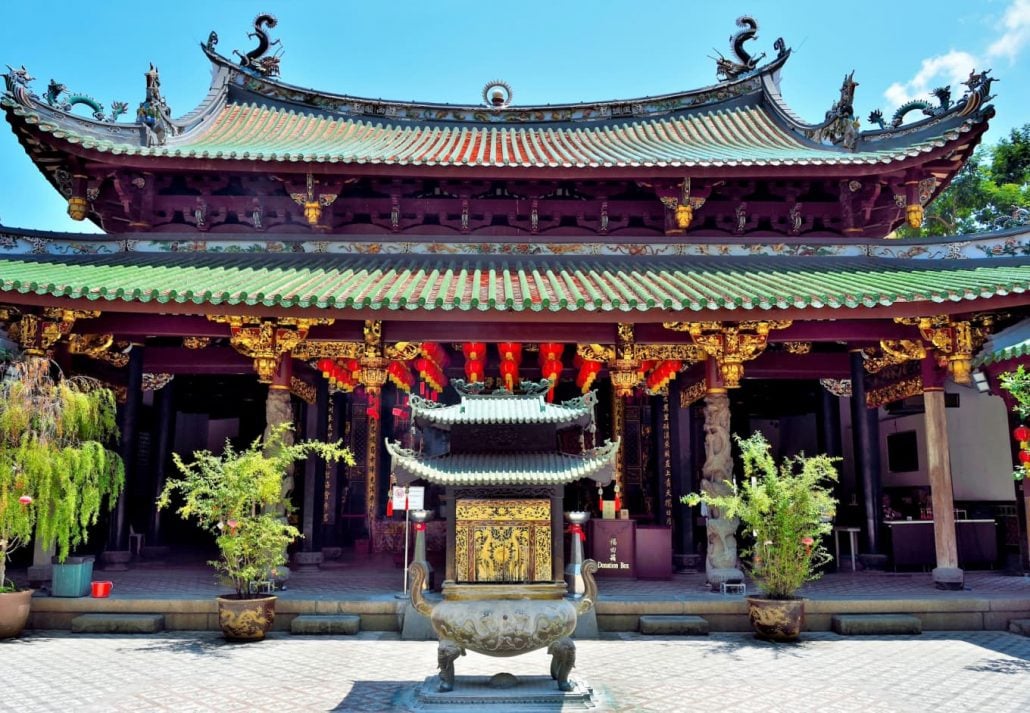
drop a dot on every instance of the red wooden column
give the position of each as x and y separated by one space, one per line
947 574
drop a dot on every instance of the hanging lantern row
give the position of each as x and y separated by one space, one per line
550 364
341 375
1022 434
588 371
430 366
662 374
401 376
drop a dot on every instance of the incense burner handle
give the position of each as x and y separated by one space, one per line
418 580
584 604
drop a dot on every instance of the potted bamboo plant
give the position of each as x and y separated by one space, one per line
238 497
56 471
785 510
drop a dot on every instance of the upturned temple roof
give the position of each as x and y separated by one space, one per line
503 408
552 284
597 464
741 122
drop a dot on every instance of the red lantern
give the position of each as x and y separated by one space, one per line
474 370
475 351
509 372
1022 434
1024 456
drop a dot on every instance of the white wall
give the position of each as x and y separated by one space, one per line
978 433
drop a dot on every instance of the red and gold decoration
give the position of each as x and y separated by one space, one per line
430 366
400 375
954 342
511 359
662 374
588 371
550 364
1022 435
730 344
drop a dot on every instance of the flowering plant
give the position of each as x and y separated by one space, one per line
238 496
786 509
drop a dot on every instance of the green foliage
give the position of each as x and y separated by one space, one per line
786 509
238 496
53 433
1017 383
984 195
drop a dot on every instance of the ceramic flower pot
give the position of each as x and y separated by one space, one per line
245 619
776 619
14 612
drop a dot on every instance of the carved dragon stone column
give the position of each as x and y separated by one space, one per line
721 562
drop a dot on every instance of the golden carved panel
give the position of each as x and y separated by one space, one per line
503 540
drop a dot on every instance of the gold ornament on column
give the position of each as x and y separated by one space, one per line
914 215
731 345
266 340
78 208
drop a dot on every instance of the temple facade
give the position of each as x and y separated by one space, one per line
706 260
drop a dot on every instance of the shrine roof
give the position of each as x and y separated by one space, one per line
1010 343
495 284
740 123
503 408
597 464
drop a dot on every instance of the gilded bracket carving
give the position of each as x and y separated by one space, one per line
266 340
957 341
313 202
730 345
38 334
97 346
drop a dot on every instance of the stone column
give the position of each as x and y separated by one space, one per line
721 562
947 574
117 555
279 410
315 491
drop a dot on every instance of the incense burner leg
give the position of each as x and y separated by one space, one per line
563 659
447 652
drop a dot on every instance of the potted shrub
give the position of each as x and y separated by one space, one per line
238 497
55 468
785 510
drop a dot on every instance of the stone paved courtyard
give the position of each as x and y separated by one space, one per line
198 671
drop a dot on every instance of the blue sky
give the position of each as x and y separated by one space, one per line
548 51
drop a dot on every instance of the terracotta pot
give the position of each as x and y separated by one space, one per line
14 612
776 619
247 618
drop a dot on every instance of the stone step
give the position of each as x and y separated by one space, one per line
118 623
680 624
1020 626
872 624
326 624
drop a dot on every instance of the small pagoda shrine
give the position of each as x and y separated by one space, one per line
503 459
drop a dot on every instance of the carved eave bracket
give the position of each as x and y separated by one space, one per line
730 344
625 358
97 346
681 200
313 198
37 334
266 340
955 341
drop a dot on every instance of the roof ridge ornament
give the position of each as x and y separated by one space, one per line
727 70
497 94
258 59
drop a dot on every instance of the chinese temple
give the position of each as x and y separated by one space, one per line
707 260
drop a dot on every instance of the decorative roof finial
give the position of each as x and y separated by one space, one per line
258 59
726 69
497 94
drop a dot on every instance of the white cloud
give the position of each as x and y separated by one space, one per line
954 67
950 68
1017 31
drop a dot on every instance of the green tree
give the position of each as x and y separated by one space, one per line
991 191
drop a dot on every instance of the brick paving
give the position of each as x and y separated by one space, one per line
197 671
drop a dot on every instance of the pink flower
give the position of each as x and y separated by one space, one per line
25 500
807 541
232 524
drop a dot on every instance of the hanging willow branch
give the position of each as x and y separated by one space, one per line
55 467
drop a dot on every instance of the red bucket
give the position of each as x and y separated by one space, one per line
101 589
